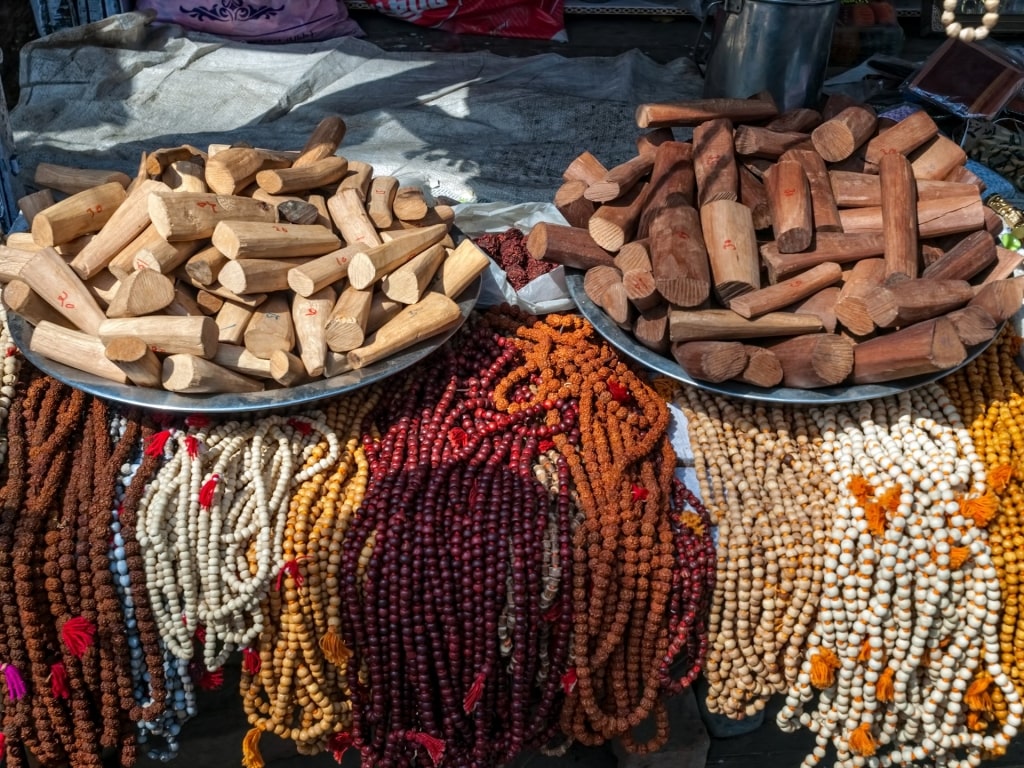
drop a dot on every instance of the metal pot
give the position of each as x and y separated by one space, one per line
779 46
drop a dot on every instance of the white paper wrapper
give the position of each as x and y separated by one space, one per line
542 295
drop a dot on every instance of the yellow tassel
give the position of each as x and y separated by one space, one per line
958 556
998 477
824 664
865 651
982 509
251 757
977 697
862 742
874 514
334 648
692 521
884 690
976 721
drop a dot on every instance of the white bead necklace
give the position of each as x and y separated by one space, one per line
969 34
211 564
908 617
11 367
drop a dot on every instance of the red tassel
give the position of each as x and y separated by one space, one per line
639 493
338 744
291 568
251 661
77 633
3 736
197 421
569 681
433 745
302 427
201 634
207 491
11 352
553 611
192 446
211 679
618 392
458 437
157 442
545 445
59 681
476 690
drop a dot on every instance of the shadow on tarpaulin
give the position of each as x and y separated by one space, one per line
470 127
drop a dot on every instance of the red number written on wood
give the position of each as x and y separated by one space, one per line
62 297
205 204
311 311
728 245
788 192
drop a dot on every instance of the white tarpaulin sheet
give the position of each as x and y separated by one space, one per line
470 126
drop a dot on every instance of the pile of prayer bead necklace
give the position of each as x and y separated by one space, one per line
211 524
294 679
163 687
621 463
67 668
453 521
905 647
990 394
759 474
11 367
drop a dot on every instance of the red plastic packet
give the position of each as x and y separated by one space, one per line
538 19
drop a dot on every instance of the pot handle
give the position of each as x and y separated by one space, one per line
702 48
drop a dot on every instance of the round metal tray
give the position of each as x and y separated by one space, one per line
161 400
626 344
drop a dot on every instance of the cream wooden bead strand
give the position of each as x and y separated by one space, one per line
969 34
11 368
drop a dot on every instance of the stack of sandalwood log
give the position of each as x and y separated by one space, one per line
233 269
807 249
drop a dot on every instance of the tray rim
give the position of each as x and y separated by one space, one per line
853 393
303 394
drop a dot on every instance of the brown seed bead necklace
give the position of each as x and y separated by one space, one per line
621 464
294 681
758 468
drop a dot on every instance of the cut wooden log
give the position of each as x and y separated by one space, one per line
725 325
285 181
851 307
732 248
839 137
74 348
232 319
190 216
573 205
382 198
763 368
241 360
287 369
649 141
19 298
203 266
262 240
714 162
586 168
1001 298
754 195
155 163
799 120
822 305
923 348
714 361
368 265
186 176
904 302
245 276
358 177
614 223
634 255
946 216
308 278
603 286
433 314
672 176
775 297
651 328
408 283
862 190
964 260
71 181
193 375
840 247
84 212
138 362
814 360
322 142
753 141
789 199
309 316
270 328
903 137
1005 265
620 179
937 158
568 246
11 262
165 333
823 202
31 204
899 215
59 286
459 269
141 293
695 112
640 289
409 204
346 325
348 212
231 170
679 257
973 325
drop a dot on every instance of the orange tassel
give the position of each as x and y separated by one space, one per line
251 757
824 664
862 742
874 514
976 721
891 498
865 651
334 648
860 488
998 477
884 690
982 509
958 556
977 697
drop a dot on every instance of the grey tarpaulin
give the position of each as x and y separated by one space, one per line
471 126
